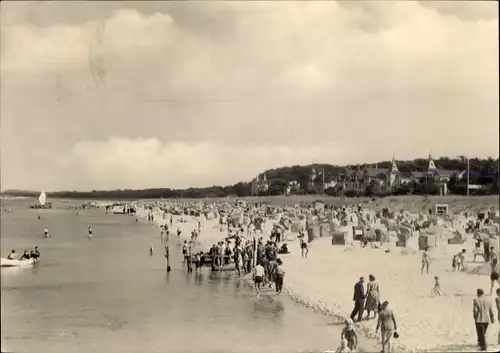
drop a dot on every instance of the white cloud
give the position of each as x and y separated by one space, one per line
256 80
124 163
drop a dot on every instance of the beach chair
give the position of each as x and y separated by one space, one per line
459 237
338 238
402 241
357 233
426 241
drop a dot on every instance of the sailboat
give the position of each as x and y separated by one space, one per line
42 198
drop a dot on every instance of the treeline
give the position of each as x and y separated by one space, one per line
239 189
485 171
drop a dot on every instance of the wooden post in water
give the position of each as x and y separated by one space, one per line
254 251
167 255
189 259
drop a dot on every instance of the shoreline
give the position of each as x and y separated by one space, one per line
366 344
322 283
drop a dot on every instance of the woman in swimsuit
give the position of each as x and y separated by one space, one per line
426 260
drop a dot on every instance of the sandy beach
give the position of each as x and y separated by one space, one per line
324 281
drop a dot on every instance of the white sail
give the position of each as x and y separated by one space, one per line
42 198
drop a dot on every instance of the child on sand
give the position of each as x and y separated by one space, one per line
454 263
463 260
349 334
436 290
343 347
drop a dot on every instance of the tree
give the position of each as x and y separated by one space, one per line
278 187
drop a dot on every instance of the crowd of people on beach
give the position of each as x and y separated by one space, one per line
259 258
256 256
241 254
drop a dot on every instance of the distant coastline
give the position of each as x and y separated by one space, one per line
482 171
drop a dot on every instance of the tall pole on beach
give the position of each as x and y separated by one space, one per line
323 193
468 172
167 256
254 257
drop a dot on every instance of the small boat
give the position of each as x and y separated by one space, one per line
17 263
43 204
42 198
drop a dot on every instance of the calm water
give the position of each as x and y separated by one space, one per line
106 294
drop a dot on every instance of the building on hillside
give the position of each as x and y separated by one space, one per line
331 184
431 175
358 180
399 178
381 179
259 186
394 175
437 175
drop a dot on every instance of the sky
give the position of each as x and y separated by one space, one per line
113 95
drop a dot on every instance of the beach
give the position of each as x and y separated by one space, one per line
107 294
324 281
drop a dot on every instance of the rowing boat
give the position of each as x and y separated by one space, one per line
16 263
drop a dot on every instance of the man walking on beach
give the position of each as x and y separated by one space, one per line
387 323
483 316
258 277
359 299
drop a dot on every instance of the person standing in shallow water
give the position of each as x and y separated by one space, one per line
258 277
280 276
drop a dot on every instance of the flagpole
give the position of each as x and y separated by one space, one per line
468 172
323 193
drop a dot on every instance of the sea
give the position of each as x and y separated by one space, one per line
108 295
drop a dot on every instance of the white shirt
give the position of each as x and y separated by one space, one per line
259 271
